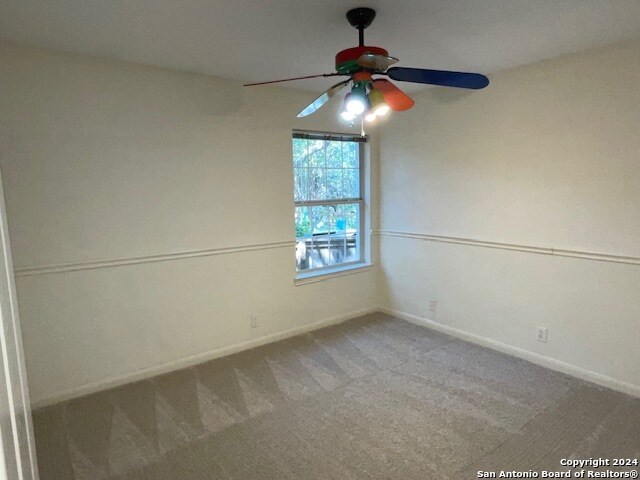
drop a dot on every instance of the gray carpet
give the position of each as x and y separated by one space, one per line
374 398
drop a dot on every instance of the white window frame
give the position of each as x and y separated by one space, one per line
347 267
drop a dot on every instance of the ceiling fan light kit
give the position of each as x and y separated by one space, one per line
371 98
378 106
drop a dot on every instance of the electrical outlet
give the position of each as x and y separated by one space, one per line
433 305
542 334
254 321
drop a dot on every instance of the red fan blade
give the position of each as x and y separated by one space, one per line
393 96
291 79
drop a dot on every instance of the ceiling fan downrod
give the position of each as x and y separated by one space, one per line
361 18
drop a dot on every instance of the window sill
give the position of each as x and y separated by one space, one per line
321 276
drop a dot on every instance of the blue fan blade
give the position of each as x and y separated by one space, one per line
438 77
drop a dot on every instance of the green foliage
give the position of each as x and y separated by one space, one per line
303 226
325 170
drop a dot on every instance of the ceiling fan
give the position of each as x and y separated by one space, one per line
371 95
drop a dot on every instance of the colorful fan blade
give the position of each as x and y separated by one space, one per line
294 78
439 77
393 96
322 99
376 62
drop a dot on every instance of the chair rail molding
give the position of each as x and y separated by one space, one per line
163 257
586 255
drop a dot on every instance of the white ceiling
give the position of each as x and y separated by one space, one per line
255 40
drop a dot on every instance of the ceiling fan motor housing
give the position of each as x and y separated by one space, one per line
347 60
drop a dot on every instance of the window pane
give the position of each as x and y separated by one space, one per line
319 220
317 184
352 232
300 156
320 228
303 238
316 153
351 183
303 223
350 215
300 184
334 154
351 155
334 184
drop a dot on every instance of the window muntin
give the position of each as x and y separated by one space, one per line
328 180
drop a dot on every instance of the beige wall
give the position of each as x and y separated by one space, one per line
122 163
112 161
545 158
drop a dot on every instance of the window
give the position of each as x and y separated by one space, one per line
329 207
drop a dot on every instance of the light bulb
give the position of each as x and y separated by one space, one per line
355 105
348 116
378 105
381 110
370 117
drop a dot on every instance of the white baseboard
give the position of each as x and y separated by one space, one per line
532 357
191 360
